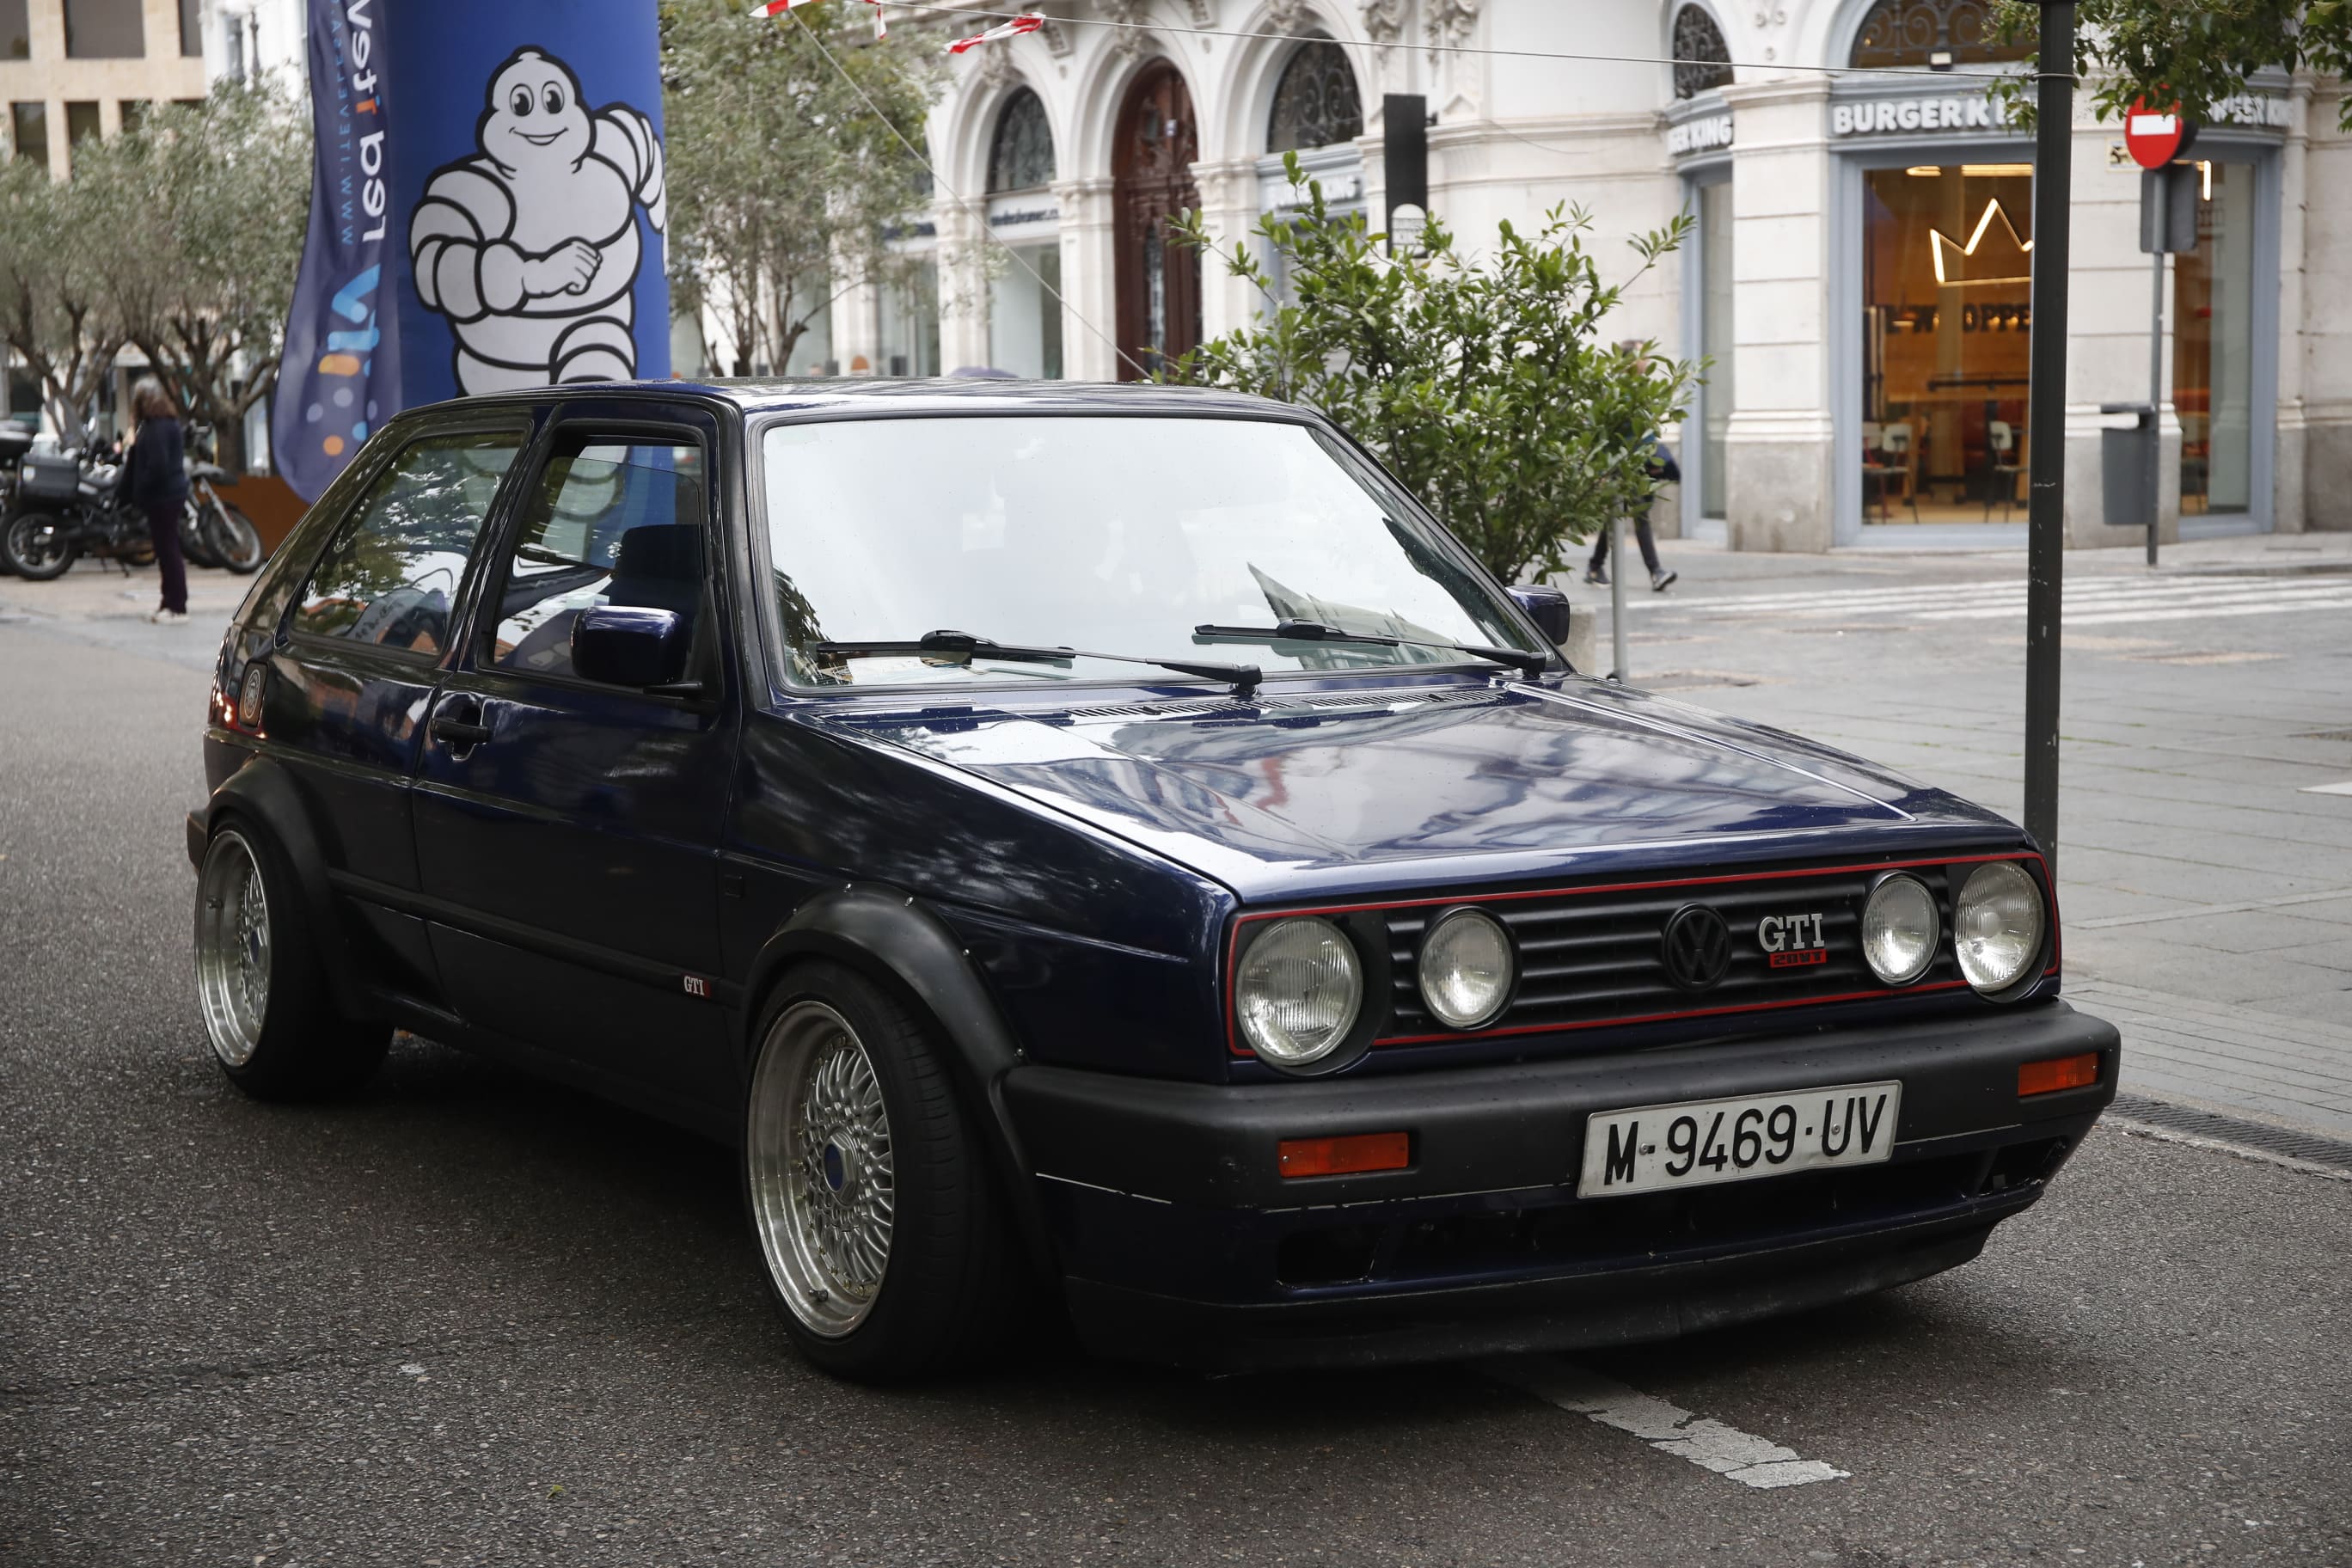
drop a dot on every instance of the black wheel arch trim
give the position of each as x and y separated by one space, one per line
266 792
891 936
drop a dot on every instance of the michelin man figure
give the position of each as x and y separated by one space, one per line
530 247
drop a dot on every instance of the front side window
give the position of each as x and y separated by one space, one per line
1115 534
610 522
390 579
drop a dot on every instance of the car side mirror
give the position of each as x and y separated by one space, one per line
630 645
1548 607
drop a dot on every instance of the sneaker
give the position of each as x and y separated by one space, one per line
1660 581
1597 576
170 617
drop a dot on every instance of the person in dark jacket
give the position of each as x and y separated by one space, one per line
159 487
1662 469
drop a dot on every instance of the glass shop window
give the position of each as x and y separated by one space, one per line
2213 345
1947 330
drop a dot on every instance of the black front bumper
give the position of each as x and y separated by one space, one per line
1181 1241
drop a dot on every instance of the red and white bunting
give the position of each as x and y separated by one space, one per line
778 8
1013 29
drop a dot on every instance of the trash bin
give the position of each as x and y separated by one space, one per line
2126 464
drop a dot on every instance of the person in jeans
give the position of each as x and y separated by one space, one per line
158 479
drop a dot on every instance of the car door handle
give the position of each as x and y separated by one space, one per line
458 732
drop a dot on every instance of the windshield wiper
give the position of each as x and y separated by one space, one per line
953 645
1318 631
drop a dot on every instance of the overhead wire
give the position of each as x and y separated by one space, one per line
1906 72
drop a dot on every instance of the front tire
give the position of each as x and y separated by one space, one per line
884 1237
194 548
261 984
36 546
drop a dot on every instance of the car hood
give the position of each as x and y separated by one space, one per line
1342 791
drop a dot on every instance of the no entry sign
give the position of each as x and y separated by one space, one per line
2157 136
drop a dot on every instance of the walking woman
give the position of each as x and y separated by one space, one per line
159 487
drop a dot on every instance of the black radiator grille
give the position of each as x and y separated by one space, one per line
1596 956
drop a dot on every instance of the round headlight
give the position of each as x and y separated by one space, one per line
1466 969
1998 925
1299 992
1898 930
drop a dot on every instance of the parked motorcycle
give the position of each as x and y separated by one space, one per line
66 506
16 440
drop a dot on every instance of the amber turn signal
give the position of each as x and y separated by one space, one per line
2063 1072
1345 1156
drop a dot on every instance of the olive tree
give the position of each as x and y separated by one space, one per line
786 181
2193 52
55 311
1483 384
208 203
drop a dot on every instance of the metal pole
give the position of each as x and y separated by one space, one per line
2161 199
2046 511
1617 599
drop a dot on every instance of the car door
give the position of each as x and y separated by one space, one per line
360 652
567 831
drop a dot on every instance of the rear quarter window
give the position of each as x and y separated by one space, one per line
390 576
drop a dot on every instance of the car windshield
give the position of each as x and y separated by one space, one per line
1123 534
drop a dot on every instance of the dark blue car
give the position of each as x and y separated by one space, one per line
1109 842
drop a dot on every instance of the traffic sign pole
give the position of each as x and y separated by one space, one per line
2161 191
2156 137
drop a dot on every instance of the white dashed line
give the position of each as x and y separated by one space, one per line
1735 1455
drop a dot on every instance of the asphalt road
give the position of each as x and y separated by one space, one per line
467 1319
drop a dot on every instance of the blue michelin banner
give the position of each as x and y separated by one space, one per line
487 213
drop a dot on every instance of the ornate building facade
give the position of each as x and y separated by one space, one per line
1857 276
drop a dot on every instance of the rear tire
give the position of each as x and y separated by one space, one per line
886 1239
261 981
36 546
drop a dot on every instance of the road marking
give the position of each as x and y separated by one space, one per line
1735 1455
2090 602
2344 788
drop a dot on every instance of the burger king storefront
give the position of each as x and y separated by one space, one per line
1861 278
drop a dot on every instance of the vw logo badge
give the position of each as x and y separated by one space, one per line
1698 947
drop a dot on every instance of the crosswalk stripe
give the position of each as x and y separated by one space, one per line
2076 590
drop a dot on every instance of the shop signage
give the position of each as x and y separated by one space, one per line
2260 109
1338 190
1015 218
1702 135
1911 116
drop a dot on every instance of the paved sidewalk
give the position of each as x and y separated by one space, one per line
2205 854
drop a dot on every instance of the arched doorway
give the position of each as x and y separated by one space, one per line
1152 166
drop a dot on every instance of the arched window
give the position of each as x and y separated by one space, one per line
1023 155
1315 104
1702 59
1932 32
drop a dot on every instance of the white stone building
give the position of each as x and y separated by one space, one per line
1858 273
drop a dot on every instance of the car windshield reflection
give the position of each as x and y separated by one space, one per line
1127 532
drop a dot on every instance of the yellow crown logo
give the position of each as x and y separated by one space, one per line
1993 254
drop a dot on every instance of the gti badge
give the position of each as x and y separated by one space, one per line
1793 941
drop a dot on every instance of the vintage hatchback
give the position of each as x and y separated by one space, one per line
1111 843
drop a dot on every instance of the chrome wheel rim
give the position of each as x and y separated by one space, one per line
233 949
824 1188
40 544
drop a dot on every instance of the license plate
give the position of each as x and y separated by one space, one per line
1702 1142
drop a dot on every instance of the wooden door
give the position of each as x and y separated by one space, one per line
1151 166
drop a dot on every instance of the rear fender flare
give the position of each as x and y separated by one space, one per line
264 792
892 937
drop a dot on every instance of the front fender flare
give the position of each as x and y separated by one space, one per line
891 937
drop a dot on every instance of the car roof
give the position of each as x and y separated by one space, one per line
940 394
